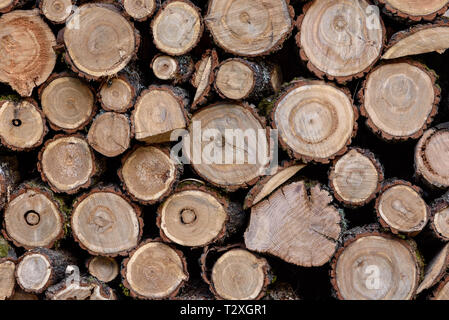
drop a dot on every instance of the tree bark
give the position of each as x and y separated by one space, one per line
356 177
326 120
297 223
105 222
177 27
240 79
399 90
67 102
23 32
154 271
176 69
140 10
353 41
56 11
149 174
22 124
196 215
250 28
33 217
442 291
9 178
204 77
373 265
414 11
110 133
7 278
435 270
104 269
158 112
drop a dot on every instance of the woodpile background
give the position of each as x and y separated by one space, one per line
93 206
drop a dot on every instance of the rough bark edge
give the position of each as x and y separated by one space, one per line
95 168
177 174
125 266
202 99
13 5
115 190
184 68
252 109
200 31
275 47
397 14
56 76
44 123
321 74
380 172
234 213
403 34
205 270
23 188
303 82
441 274
71 65
157 4
106 82
440 287
392 183
437 206
437 97
356 233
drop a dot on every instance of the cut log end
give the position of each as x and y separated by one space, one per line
414 10
67 102
149 174
342 54
398 90
356 177
104 269
441 223
297 224
155 271
110 134
27 56
117 94
235 79
249 28
57 11
435 270
376 267
177 27
7 278
239 275
67 163
442 292
165 67
34 272
22 125
316 121
140 10
106 223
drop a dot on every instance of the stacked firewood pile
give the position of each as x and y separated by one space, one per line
224 149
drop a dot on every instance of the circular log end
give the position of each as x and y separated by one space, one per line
103 268
139 10
33 272
235 79
57 11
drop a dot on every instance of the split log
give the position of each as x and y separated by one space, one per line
297 223
250 28
439 221
33 217
104 269
105 222
217 148
22 124
204 77
341 39
401 208
240 79
140 10
435 270
56 11
236 274
397 91
431 153
159 111
100 41
67 102
67 163
442 292
118 94
176 69
9 178
266 185
27 45
356 177
110 134
375 266
7 278
196 216
177 27
414 10
154 271
40 268
149 174
418 39
316 120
